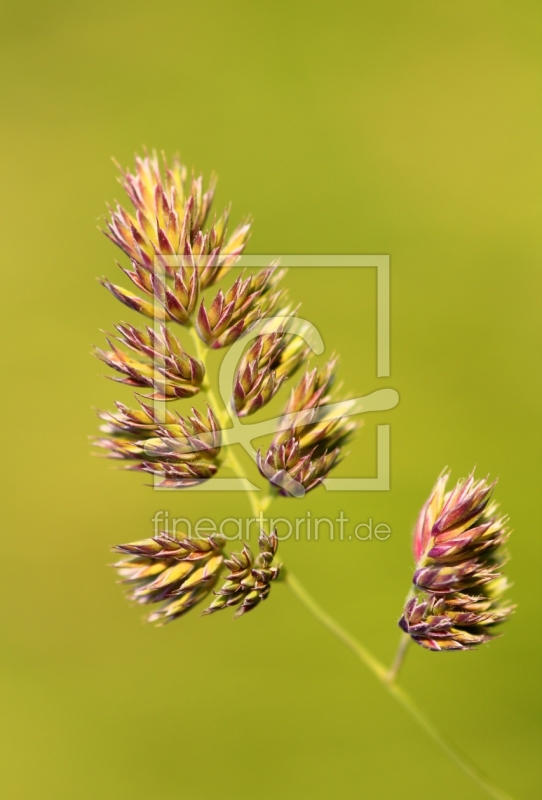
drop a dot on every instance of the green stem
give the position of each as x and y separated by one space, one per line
201 353
258 502
382 674
402 648
377 668
404 642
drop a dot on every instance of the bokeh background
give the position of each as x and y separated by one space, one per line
408 128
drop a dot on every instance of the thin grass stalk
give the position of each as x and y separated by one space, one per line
385 676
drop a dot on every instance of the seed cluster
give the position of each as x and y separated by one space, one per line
458 582
177 254
177 573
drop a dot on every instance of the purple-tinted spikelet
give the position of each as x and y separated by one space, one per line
309 441
162 365
272 358
247 301
458 547
180 451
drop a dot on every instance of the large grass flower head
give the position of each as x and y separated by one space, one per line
177 253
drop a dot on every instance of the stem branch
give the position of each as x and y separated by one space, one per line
404 642
383 675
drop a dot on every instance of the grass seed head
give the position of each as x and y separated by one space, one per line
458 547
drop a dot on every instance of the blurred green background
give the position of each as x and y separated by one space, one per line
408 128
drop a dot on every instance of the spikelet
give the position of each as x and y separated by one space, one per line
271 359
180 451
458 547
176 572
163 365
249 579
172 258
302 454
247 301
168 221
